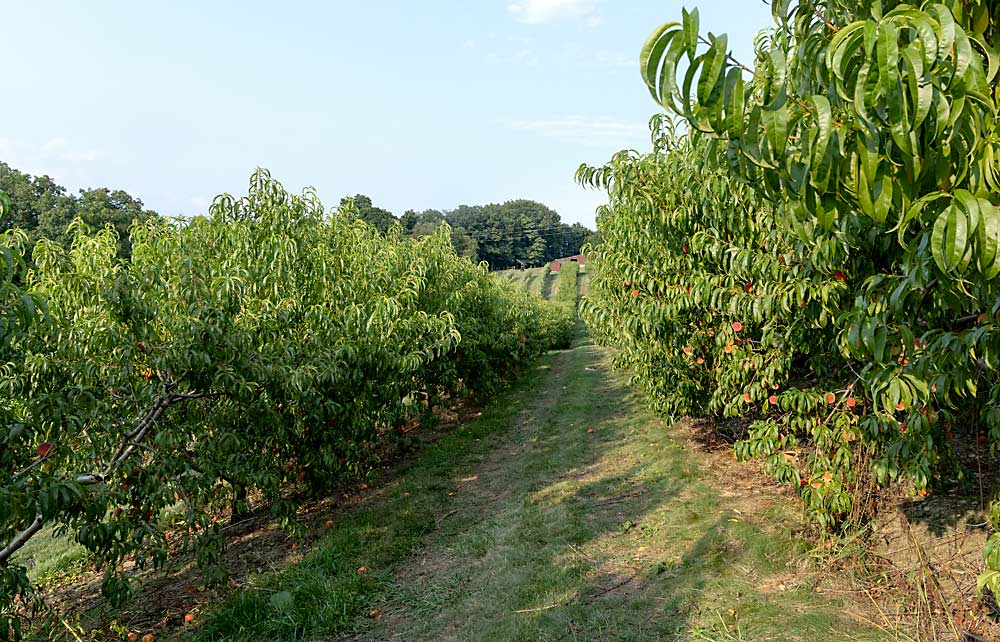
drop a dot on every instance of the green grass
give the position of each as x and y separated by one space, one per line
584 282
525 526
567 291
548 285
49 557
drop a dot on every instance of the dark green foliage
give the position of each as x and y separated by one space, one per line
43 209
381 219
517 232
411 219
861 255
512 234
268 346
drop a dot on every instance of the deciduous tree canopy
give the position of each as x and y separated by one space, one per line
44 209
504 235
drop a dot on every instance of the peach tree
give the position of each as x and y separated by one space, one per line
855 163
20 310
235 360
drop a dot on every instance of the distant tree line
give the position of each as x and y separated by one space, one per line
505 235
44 209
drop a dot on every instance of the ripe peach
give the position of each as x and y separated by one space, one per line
737 326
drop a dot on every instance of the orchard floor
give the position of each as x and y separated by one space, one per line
565 512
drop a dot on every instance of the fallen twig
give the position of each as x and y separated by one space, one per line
541 608
444 517
616 586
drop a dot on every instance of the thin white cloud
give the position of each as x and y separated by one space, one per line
526 57
81 156
538 12
579 127
53 145
54 157
522 40
6 149
60 149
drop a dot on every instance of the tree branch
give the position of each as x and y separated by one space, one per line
22 538
34 464
964 322
130 441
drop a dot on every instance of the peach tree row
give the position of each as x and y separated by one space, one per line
819 251
266 346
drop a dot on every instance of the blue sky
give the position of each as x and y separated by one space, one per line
417 104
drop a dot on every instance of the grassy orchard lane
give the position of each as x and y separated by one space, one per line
245 359
565 513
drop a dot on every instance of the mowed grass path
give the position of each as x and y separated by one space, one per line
524 525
